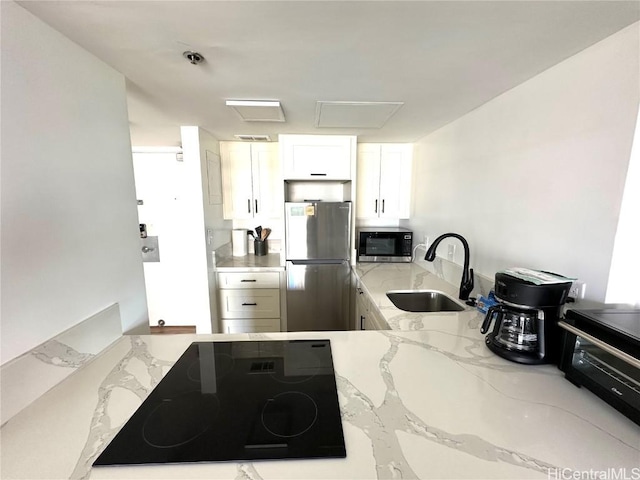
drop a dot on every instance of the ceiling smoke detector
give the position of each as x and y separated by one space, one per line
194 57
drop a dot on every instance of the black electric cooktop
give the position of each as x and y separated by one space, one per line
225 401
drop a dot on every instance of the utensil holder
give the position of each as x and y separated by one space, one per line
260 247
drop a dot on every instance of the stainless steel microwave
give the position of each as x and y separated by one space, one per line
384 244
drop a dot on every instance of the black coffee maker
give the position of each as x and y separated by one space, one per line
526 320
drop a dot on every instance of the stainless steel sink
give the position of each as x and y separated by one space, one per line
424 301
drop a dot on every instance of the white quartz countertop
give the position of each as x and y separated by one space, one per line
430 403
271 261
377 279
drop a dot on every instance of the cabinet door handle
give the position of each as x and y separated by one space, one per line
383 205
252 280
376 208
249 304
248 205
256 207
361 322
318 174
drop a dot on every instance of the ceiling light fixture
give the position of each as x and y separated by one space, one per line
257 110
194 57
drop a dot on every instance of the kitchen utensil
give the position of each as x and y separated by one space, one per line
265 234
258 231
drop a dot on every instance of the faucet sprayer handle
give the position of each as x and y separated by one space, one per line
466 284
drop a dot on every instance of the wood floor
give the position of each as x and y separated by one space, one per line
168 330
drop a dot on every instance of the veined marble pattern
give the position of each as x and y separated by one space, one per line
421 404
29 376
101 430
55 353
247 471
381 423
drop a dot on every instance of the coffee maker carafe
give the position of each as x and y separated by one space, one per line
526 320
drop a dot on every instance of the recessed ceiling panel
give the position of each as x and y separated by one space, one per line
257 111
355 114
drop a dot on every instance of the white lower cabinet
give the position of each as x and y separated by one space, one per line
258 303
376 321
249 302
367 315
251 326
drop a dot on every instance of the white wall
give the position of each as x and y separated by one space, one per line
217 229
160 180
183 208
70 244
625 264
534 178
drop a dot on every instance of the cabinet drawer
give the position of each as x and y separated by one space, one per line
251 326
248 280
264 303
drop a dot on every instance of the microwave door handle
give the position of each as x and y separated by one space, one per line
625 357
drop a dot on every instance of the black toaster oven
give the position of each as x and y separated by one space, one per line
601 352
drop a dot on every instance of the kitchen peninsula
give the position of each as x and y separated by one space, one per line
430 403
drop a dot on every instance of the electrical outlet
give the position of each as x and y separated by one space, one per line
577 290
451 251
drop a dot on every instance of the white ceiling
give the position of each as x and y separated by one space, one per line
442 59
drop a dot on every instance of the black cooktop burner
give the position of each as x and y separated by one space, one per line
237 401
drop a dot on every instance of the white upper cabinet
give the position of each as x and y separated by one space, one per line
317 157
251 181
384 180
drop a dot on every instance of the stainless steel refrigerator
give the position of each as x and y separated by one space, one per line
318 273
